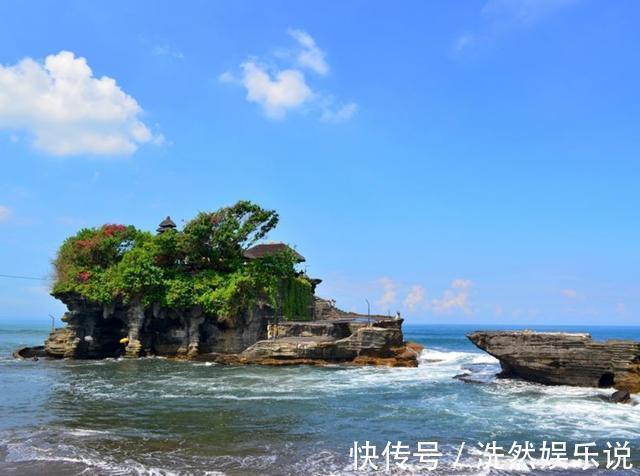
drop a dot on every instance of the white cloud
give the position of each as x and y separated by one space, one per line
67 110
227 77
282 89
454 299
167 51
389 291
569 293
287 90
5 213
341 114
414 298
501 16
310 56
462 42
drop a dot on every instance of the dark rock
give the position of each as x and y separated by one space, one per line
94 331
30 353
621 396
557 358
469 378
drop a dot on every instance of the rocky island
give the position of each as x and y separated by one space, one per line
210 291
558 358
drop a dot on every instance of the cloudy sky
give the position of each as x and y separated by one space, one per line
467 162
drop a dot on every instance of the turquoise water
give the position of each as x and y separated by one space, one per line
154 416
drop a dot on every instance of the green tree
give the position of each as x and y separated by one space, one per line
216 240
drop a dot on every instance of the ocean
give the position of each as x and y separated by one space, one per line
155 416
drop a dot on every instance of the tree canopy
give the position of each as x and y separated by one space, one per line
200 266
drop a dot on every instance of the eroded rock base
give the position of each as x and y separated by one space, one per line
95 331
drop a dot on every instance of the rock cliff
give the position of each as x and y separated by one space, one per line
564 359
95 331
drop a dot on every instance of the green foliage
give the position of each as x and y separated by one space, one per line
200 266
231 296
178 291
137 274
87 262
296 299
216 240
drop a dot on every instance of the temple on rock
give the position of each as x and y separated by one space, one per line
211 291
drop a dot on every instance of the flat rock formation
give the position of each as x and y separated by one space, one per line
377 343
557 358
325 342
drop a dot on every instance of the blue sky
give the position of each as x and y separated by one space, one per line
461 162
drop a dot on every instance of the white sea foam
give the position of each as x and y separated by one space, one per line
434 366
331 464
83 432
239 397
573 411
438 356
29 450
484 359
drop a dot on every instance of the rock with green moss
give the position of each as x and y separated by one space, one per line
176 292
208 289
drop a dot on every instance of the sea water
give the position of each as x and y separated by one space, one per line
161 417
